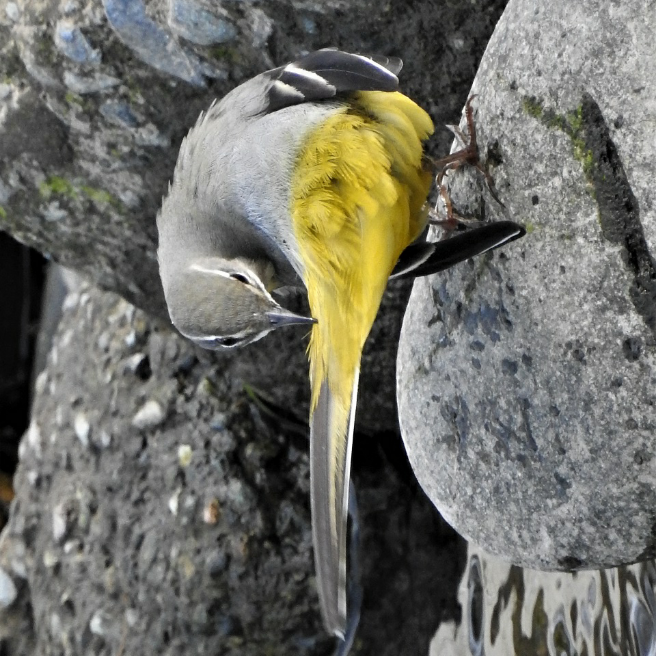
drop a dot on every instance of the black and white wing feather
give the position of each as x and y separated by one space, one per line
321 75
325 73
425 258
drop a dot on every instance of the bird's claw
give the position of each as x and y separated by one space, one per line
467 155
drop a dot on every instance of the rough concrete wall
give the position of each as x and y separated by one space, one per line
159 510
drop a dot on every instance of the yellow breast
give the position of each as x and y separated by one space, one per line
358 199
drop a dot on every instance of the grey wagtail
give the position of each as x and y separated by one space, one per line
314 175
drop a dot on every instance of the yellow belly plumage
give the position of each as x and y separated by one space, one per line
357 200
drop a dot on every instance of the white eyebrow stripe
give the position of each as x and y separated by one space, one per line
255 281
215 340
212 272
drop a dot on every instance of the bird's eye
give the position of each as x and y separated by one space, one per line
228 341
241 277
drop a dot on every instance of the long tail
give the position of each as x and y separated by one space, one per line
331 440
357 199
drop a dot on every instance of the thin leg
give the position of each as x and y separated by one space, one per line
465 156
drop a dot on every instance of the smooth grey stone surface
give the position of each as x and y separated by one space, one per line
527 379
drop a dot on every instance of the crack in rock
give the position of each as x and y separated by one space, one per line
619 212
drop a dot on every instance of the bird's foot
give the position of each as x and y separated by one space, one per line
467 155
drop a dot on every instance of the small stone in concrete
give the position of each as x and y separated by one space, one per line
98 624
82 428
184 455
8 590
60 522
149 415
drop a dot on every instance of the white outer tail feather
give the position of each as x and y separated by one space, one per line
329 518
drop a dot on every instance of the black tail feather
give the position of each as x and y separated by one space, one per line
423 259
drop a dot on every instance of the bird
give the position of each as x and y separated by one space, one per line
310 175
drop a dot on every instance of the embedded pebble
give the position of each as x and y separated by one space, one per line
14 550
131 339
50 559
98 623
131 617
131 201
149 135
82 428
216 562
218 422
6 192
199 617
133 363
33 438
69 7
71 301
308 25
71 546
149 415
19 567
40 383
8 592
184 455
211 512
55 624
261 27
105 439
59 523
174 502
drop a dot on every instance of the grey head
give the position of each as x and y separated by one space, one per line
223 303
225 222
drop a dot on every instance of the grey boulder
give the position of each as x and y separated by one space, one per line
527 379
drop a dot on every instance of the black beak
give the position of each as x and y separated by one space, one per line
282 317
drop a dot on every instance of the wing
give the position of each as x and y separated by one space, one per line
325 73
425 258
321 75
